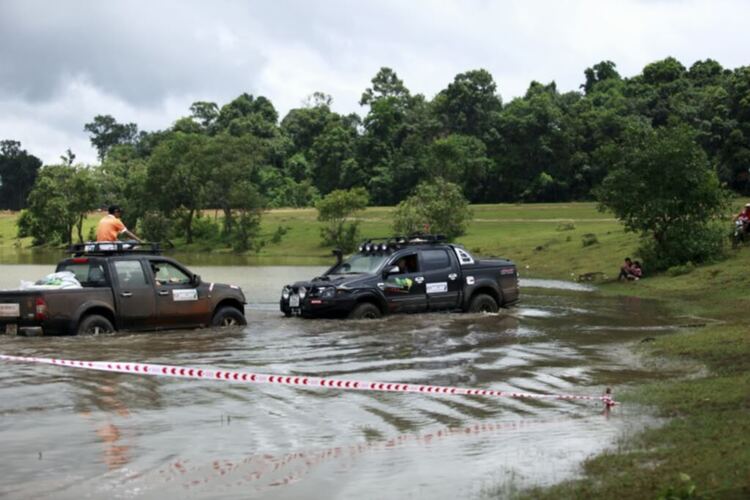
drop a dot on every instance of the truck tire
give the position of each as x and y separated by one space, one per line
365 310
95 324
483 303
228 316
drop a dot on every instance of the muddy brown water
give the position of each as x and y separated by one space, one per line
69 433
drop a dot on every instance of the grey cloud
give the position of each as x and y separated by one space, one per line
138 51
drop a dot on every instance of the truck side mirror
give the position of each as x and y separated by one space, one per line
196 279
391 270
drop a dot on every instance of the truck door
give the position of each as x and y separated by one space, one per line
405 290
442 279
134 295
179 301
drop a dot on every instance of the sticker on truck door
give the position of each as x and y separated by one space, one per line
184 295
441 287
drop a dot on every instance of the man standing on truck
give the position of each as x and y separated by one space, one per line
111 227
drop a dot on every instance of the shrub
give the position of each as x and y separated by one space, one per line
155 226
683 245
436 206
589 239
334 210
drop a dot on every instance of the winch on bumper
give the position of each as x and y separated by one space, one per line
312 300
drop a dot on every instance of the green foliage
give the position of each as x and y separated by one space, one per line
58 204
279 234
680 270
18 171
106 133
543 146
665 190
437 207
334 211
155 226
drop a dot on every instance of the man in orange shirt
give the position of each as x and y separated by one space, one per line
111 227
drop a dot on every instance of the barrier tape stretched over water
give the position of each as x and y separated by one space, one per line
292 380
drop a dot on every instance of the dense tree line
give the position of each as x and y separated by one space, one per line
543 146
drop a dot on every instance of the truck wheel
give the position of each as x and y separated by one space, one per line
483 303
365 310
228 316
95 325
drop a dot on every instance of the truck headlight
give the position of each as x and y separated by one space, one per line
285 293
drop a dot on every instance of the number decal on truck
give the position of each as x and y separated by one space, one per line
184 295
10 310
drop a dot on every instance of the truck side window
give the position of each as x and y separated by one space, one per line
167 274
130 273
89 274
407 264
435 259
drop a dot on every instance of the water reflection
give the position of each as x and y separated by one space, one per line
115 435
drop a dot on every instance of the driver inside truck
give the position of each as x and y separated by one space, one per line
407 264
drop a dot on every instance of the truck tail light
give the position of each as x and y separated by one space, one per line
41 309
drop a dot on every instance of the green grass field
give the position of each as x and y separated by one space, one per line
703 451
544 239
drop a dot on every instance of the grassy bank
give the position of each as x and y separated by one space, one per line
546 240
704 449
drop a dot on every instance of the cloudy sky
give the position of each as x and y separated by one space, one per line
63 62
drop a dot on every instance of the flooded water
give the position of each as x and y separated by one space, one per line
69 433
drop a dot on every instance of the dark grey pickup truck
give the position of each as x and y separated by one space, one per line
124 287
414 274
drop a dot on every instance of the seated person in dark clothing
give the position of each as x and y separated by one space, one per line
626 271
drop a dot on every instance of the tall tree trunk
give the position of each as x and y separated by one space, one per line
228 220
79 227
189 225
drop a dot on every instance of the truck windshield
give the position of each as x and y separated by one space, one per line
360 263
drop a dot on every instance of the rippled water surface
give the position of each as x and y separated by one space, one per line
69 433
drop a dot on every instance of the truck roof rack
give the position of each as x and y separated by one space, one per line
396 242
113 248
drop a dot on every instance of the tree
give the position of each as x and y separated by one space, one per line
469 104
600 72
334 210
18 171
462 160
178 179
437 206
665 190
58 204
106 133
206 113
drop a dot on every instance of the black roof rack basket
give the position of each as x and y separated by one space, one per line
113 248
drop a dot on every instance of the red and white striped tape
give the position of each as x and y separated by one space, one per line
291 380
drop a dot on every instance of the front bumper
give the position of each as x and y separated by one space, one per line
318 307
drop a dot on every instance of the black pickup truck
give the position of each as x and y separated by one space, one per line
124 287
420 273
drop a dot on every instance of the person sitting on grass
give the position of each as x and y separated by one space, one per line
626 270
636 272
